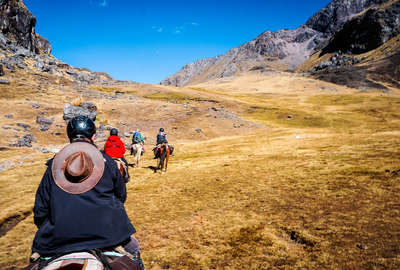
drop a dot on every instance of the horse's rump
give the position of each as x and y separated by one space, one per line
137 150
87 261
121 167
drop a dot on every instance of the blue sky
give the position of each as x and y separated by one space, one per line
146 41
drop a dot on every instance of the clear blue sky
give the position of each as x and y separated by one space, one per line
146 41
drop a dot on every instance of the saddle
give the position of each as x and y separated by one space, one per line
90 260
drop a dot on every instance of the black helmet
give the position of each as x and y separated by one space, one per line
114 131
80 127
161 130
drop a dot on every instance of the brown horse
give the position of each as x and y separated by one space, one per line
121 167
163 157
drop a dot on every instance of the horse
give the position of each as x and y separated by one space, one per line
88 260
136 150
123 169
163 157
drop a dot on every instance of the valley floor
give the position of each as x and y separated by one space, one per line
285 173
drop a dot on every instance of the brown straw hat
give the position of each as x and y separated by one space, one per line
78 167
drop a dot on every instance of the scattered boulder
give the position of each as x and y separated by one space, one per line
362 246
4 82
25 141
198 130
35 105
86 108
100 134
336 61
24 126
44 122
46 150
1 70
9 116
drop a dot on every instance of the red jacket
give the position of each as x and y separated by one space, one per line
114 147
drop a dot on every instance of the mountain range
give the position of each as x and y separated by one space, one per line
343 27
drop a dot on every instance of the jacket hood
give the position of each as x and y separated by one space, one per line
113 138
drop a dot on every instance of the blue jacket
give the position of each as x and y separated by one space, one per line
73 222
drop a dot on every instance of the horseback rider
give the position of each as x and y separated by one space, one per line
161 138
115 148
138 138
79 203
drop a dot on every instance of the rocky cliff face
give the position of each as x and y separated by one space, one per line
364 53
285 47
21 48
367 31
17 24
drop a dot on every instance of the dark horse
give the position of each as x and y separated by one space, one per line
163 157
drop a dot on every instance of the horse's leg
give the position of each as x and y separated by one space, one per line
139 155
166 158
159 159
162 158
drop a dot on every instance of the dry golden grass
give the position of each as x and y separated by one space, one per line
319 190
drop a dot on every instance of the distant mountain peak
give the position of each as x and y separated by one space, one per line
286 48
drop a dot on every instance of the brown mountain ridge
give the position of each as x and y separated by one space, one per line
343 27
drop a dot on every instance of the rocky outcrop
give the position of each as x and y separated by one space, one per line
331 18
88 109
20 46
367 31
25 141
17 23
288 47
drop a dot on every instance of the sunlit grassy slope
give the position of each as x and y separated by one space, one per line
314 184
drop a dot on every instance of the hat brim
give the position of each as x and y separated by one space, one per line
91 181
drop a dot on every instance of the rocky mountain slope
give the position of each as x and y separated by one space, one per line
283 49
21 48
364 53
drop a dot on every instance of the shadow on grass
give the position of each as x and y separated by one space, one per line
154 168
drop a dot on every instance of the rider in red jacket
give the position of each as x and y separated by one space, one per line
114 147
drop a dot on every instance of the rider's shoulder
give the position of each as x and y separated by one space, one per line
49 162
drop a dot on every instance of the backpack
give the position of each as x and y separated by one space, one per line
136 137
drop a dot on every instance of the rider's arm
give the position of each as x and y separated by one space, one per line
42 199
123 150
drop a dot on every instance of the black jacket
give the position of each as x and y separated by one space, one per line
162 138
73 222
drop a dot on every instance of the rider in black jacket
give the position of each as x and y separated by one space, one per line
81 209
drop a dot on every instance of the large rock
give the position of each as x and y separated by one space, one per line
86 108
25 141
44 122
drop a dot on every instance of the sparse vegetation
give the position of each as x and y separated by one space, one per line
316 190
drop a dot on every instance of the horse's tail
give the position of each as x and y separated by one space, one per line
164 154
133 150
